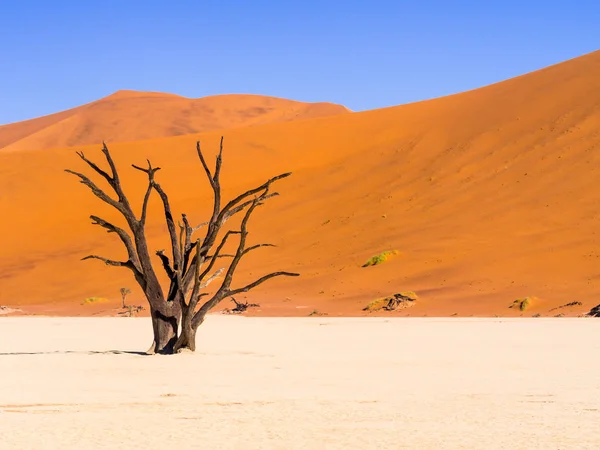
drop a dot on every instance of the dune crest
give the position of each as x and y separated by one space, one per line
127 116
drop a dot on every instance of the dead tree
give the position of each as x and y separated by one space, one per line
124 293
191 265
131 310
240 307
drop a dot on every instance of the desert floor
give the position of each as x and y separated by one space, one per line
309 383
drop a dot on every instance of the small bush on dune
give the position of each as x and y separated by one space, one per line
377 304
381 258
90 300
568 305
594 312
397 301
522 303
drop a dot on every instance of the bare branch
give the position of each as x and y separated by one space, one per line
241 246
166 263
113 168
98 170
188 233
210 279
196 289
97 191
254 247
150 171
262 280
170 225
110 262
182 232
256 190
204 165
186 244
194 229
123 235
145 205
241 207
217 252
218 163
116 184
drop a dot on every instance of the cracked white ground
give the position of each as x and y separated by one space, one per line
311 383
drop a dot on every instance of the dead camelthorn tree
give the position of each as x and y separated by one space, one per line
124 293
191 265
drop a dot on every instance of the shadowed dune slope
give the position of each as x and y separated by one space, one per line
130 116
489 196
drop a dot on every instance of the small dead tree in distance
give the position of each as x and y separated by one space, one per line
240 307
192 260
124 293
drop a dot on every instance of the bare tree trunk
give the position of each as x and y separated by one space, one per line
187 339
165 325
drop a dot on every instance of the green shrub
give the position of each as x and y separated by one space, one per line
91 300
377 304
381 258
522 303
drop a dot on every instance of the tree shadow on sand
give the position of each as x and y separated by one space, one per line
77 352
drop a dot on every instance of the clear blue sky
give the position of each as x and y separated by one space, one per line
55 55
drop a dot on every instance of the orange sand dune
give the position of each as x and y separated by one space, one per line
130 116
489 196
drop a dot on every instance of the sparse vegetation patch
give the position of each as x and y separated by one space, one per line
131 310
522 303
567 305
91 300
594 312
400 300
381 258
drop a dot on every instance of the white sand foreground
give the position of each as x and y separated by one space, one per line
311 383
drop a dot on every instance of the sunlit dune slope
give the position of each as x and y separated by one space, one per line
130 116
489 196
